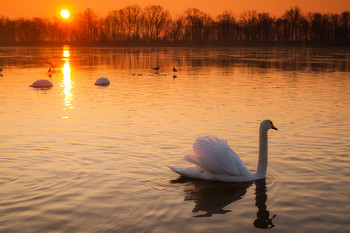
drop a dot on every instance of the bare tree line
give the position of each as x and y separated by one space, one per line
154 23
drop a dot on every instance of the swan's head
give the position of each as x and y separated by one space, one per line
267 124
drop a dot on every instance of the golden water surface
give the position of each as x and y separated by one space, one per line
84 158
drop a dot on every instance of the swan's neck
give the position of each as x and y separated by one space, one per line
262 163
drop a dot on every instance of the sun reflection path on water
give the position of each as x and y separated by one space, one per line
67 82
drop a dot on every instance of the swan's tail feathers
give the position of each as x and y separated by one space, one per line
192 159
188 171
193 172
177 170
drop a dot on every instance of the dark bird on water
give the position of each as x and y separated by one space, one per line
51 69
156 68
174 69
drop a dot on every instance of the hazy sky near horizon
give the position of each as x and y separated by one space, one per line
51 8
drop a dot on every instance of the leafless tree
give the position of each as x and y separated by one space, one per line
226 26
294 18
133 20
157 19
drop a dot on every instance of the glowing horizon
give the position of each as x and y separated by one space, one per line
277 8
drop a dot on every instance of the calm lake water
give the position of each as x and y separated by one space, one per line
83 158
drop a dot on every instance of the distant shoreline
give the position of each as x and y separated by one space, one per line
307 44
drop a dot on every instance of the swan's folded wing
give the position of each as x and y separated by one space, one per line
215 156
193 172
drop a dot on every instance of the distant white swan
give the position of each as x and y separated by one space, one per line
216 161
102 81
42 83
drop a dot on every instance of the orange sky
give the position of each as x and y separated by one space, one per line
50 8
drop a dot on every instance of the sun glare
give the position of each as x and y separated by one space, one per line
65 14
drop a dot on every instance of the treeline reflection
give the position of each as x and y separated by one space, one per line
251 59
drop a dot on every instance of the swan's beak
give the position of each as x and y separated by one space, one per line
273 127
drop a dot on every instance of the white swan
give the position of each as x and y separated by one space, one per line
42 83
102 81
215 160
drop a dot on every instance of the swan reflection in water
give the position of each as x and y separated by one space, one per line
212 198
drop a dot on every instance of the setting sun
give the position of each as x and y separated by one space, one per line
65 14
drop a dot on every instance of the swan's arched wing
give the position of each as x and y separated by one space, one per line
215 156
